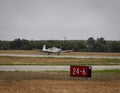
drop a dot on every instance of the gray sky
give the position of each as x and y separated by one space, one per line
56 19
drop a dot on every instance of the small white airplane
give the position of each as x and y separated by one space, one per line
51 50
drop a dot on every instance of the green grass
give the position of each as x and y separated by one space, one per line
102 75
107 71
106 75
57 61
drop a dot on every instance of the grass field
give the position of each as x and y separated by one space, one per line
59 82
107 81
57 61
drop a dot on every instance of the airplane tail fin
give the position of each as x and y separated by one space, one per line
44 48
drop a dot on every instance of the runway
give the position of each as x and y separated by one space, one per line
50 68
57 56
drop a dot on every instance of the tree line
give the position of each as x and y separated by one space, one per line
89 45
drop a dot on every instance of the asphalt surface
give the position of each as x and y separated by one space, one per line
50 68
57 56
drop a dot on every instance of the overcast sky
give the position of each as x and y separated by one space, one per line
56 19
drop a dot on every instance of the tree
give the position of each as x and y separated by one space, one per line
21 44
100 44
91 44
115 46
16 44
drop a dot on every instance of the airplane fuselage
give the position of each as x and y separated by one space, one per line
51 50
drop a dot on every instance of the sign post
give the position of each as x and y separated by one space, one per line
80 71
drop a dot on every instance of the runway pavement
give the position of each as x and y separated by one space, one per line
57 56
50 68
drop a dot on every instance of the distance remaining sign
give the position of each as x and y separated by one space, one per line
80 71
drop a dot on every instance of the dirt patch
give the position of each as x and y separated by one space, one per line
55 86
